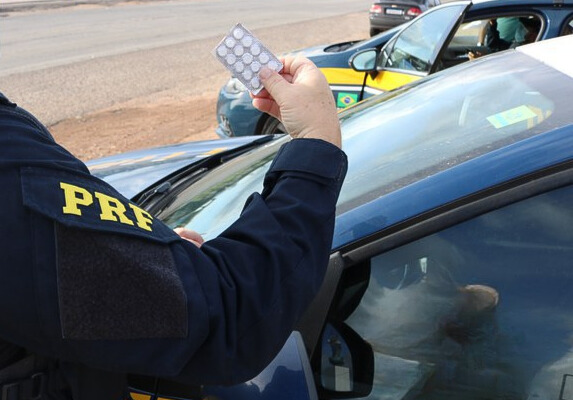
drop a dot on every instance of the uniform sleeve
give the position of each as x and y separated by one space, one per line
113 288
270 263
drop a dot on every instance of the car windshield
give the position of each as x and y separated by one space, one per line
403 136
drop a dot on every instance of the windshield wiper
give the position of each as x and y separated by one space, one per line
195 170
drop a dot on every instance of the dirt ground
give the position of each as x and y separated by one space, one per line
128 128
141 124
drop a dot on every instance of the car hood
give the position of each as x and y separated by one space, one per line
322 49
132 172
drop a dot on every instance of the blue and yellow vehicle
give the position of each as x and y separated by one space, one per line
444 36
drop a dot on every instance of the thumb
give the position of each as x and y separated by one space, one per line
272 81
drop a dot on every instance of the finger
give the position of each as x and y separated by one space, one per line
273 82
262 94
190 235
193 242
267 105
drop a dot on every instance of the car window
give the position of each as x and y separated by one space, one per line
422 136
567 28
415 47
477 38
481 309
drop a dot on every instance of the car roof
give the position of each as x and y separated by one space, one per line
505 3
551 52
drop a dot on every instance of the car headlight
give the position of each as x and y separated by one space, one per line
234 86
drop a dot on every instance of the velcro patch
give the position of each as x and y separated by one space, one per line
115 287
83 201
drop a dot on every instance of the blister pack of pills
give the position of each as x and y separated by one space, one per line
244 55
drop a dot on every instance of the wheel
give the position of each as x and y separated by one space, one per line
271 126
374 32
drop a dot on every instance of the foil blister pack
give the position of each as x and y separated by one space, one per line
244 55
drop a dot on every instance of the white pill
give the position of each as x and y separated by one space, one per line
255 67
264 58
230 42
273 65
238 33
231 59
255 83
247 74
222 51
247 41
255 49
239 50
239 67
247 58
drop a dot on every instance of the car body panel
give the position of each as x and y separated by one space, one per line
130 173
433 165
453 185
287 377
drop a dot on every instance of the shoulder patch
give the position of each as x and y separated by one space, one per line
84 201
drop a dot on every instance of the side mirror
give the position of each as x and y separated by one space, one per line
364 60
343 363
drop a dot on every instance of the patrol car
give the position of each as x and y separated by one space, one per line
437 39
450 274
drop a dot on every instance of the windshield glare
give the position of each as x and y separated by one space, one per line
403 136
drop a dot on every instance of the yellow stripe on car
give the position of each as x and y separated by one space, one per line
387 80
343 76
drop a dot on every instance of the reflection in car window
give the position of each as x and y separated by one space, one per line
415 47
421 136
567 28
210 205
479 310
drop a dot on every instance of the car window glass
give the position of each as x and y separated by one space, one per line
567 28
482 309
421 136
477 38
415 47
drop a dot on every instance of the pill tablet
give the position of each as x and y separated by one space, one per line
244 55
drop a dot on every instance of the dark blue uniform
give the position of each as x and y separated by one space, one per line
95 282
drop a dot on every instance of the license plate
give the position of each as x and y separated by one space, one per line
394 11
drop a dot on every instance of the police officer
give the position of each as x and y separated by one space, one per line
93 287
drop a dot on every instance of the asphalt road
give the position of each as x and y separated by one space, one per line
64 62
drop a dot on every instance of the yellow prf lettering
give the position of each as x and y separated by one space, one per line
75 196
143 218
112 209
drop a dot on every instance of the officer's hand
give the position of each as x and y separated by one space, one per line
301 99
190 236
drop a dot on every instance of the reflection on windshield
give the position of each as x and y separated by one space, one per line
398 138
211 205
439 123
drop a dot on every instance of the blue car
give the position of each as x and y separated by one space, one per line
441 37
451 267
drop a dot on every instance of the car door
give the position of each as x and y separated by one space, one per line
411 54
474 303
